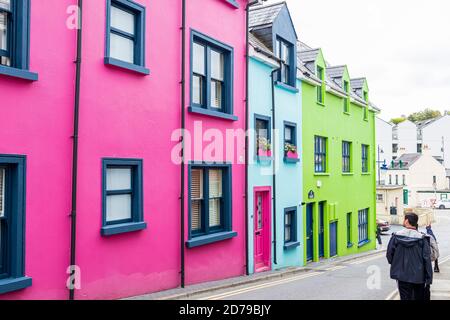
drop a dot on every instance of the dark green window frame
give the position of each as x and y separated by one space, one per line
364 158
320 154
346 156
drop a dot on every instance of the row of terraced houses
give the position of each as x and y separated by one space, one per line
147 145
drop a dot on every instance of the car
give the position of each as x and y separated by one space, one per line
384 225
443 204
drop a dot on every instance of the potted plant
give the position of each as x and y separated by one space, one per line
264 147
290 151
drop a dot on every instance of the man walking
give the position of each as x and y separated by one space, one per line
409 255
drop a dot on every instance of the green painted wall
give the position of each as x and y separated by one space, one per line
343 193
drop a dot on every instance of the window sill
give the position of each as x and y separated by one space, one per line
291 160
347 113
14 284
287 87
263 159
123 228
18 73
322 174
128 66
349 245
212 113
291 245
366 173
320 104
363 243
347 173
210 238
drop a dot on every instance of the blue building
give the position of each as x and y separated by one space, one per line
275 164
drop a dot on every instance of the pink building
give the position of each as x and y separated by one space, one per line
129 184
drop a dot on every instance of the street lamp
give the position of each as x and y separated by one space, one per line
379 162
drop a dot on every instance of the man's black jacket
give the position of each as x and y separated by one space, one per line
409 255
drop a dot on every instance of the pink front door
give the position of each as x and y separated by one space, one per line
262 229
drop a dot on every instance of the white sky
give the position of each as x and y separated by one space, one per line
402 47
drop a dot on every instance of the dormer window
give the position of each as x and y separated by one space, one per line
346 99
284 53
320 91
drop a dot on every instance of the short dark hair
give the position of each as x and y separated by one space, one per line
412 218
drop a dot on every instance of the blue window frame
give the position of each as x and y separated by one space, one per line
234 3
122 196
320 154
346 156
363 226
15 39
210 203
365 158
12 224
290 228
125 35
211 77
263 136
285 52
290 141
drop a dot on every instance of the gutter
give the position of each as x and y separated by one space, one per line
247 125
274 175
183 127
73 214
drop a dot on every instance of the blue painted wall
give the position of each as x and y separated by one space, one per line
289 175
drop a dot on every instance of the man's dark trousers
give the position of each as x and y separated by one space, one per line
411 291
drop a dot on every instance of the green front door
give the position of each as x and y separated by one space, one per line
405 196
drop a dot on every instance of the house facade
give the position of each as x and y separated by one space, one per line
384 148
339 159
390 206
423 178
138 219
275 176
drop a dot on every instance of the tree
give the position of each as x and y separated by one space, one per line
397 120
424 115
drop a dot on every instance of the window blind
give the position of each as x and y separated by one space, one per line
2 192
197 197
215 197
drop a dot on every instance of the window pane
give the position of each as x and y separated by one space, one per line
122 20
214 213
118 179
285 54
217 65
197 89
216 94
196 211
2 192
3 31
287 234
199 59
197 184
288 133
122 48
5 4
118 207
215 183
262 128
2 246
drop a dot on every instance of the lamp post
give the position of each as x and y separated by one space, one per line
380 151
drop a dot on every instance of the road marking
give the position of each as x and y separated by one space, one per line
336 268
444 260
392 295
260 286
367 259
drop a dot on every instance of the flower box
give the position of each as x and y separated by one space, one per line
264 153
291 155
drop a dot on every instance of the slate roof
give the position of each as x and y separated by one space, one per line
257 44
407 159
357 83
263 15
309 55
336 72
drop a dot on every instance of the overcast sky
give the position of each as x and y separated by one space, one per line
402 47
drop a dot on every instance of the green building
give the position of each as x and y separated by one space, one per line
339 176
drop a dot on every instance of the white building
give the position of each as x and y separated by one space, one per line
422 176
404 139
384 147
435 134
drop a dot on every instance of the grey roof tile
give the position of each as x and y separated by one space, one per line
262 15
407 159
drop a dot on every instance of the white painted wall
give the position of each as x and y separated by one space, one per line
407 138
437 136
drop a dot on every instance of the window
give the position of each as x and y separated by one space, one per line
210 204
379 197
290 142
320 154
284 53
404 180
363 225
122 196
396 180
12 226
320 89
125 39
290 227
365 158
211 76
262 141
394 148
444 196
434 180
349 229
419 148
346 158
14 39
390 179
346 99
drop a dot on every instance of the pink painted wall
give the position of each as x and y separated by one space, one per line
36 121
226 24
123 115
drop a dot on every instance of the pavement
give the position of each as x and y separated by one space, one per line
358 277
